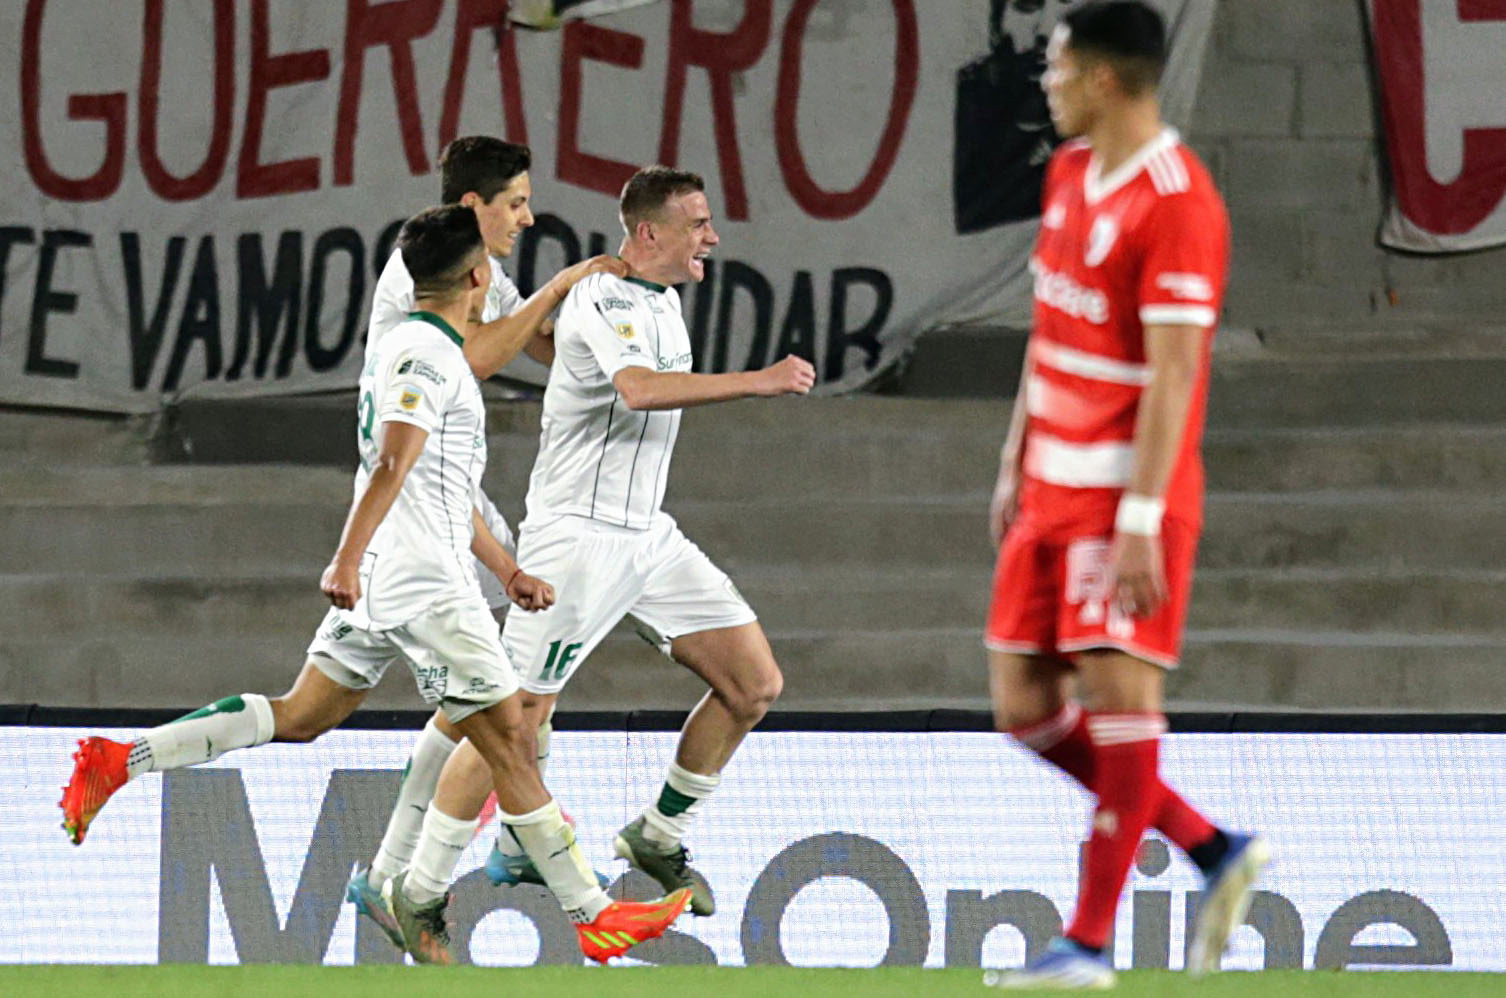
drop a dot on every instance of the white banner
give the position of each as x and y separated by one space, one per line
848 849
1443 101
197 196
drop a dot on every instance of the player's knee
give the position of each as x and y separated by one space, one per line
751 699
299 730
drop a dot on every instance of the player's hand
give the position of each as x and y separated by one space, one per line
791 376
566 279
1003 506
1137 574
546 328
342 584
529 593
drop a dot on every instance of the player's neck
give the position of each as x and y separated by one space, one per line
642 266
1118 136
454 311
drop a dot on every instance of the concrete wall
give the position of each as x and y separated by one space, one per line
1287 120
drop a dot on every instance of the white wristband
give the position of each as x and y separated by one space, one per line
1139 515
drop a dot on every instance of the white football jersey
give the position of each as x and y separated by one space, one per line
393 299
598 458
421 553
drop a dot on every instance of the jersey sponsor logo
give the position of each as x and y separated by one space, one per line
624 329
1192 287
1100 239
1066 295
616 304
632 348
1055 216
679 362
409 400
422 369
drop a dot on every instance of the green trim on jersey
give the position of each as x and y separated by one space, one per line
439 324
661 288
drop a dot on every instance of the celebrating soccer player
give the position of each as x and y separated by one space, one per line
1099 498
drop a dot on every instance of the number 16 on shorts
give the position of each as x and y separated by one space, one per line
557 665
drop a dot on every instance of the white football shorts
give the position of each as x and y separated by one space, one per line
601 573
454 651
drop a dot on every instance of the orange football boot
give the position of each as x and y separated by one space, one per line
99 769
625 924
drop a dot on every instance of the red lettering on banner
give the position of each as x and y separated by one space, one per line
108 108
819 203
589 41
721 54
269 72
202 180
1463 203
471 16
393 24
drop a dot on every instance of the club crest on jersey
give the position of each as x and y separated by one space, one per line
409 400
1100 239
625 330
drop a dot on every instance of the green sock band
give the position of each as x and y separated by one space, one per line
672 802
225 705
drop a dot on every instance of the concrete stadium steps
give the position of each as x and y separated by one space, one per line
37 436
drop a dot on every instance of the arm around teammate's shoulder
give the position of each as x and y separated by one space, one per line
644 389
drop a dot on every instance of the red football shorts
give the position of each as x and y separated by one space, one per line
1050 595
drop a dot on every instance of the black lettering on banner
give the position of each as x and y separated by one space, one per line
146 335
1151 937
798 334
700 320
838 336
384 244
1336 947
9 236
200 319
47 300
268 304
970 917
545 226
596 245
207 829
738 276
837 854
1275 918
475 898
348 241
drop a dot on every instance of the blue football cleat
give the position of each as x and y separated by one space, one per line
511 869
1226 901
1065 966
369 902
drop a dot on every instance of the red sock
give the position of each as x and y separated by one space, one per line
1128 790
1062 740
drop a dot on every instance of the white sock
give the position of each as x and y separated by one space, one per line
440 844
507 845
551 845
420 778
208 733
666 823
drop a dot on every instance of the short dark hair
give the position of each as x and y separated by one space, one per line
1129 35
648 190
439 246
479 163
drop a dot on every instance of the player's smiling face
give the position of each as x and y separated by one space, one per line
505 216
686 237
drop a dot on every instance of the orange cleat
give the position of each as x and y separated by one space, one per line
625 924
99 769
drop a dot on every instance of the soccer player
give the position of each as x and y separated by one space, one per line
620 377
1099 496
491 177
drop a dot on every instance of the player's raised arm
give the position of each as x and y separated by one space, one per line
491 346
402 443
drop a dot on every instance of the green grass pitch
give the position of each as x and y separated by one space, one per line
87 981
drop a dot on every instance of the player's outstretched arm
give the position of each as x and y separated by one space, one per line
492 345
402 443
642 388
523 589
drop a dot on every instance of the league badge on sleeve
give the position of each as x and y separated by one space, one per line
409 400
625 330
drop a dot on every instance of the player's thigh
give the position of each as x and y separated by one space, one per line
456 657
1117 682
343 664
591 569
736 662
1025 594
1027 689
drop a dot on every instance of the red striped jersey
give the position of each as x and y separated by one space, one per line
1146 244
